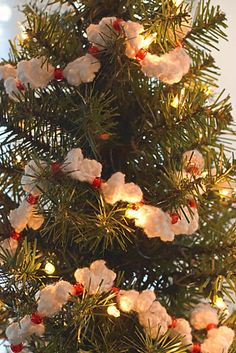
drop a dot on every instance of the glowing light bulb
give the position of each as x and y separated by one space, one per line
49 268
113 311
148 40
130 213
18 159
175 102
23 35
178 99
219 303
5 13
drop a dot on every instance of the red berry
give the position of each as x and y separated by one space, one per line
137 205
19 85
55 167
192 203
93 50
97 182
116 24
115 290
196 348
211 326
36 318
173 323
140 55
58 74
192 169
79 289
32 200
15 235
17 348
105 136
174 218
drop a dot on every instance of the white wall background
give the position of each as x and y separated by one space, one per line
225 58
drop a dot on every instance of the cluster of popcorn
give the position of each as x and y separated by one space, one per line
219 339
170 67
94 280
152 315
26 214
38 72
153 220
98 279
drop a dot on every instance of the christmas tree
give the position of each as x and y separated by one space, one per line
117 181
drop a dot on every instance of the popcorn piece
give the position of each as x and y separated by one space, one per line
11 88
29 179
63 291
36 220
183 329
202 315
97 278
18 332
135 40
144 300
36 72
187 225
115 189
193 162
127 300
89 170
82 70
169 68
103 33
7 71
48 304
155 320
154 222
20 217
218 340
72 162
80 168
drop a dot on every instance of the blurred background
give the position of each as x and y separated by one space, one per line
225 58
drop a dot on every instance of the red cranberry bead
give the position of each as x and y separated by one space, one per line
116 24
105 136
211 326
58 74
17 348
140 55
32 200
36 318
196 348
193 169
97 182
19 85
79 289
173 323
174 218
115 290
15 235
93 50
192 203
55 167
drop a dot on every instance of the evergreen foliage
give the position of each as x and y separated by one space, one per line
147 137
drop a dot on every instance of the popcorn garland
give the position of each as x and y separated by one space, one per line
151 314
153 220
38 73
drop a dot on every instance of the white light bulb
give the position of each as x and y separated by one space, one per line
49 268
113 311
5 13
